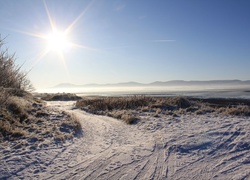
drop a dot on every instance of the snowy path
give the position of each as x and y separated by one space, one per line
111 149
186 147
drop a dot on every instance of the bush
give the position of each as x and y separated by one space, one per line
11 75
60 97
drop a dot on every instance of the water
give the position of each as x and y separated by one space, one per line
204 92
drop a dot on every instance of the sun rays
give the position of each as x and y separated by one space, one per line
58 40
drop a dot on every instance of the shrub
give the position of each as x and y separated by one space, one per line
60 97
11 75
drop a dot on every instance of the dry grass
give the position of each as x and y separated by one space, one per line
240 110
12 115
27 117
72 123
114 103
123 107
59 97
132 103
127 116
117 107
4 95
128 108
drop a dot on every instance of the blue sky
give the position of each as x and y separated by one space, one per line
129 40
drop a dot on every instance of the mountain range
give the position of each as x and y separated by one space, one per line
162 83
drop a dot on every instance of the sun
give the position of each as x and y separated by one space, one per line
58 41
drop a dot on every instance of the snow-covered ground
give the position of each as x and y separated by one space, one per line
166 147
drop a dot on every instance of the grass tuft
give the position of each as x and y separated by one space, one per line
240 110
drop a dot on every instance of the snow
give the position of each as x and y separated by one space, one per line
185 147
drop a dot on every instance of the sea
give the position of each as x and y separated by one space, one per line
197 92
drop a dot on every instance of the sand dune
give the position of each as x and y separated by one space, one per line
184 147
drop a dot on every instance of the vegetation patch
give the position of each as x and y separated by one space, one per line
130 108
59 97
27 117
127 108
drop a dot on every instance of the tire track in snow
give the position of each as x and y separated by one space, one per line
179 149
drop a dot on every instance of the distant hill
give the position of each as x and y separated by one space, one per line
162 83
200 83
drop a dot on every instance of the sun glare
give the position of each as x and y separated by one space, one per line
58 41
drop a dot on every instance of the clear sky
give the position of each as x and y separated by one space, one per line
109 41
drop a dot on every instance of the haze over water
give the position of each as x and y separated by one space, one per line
192 91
